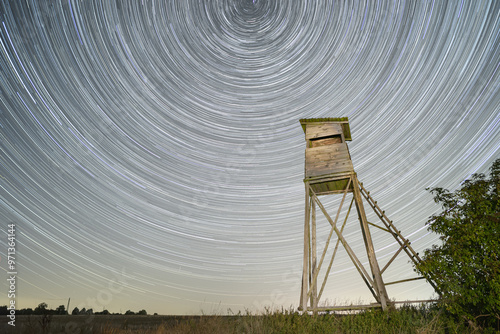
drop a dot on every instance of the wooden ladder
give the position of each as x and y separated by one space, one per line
405 244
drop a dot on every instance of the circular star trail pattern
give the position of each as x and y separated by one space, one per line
151 155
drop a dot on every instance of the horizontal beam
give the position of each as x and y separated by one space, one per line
345 308
328 177
416 301
365 307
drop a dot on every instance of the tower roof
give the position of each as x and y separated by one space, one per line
343 120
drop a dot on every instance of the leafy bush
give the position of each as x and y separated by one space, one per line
466 266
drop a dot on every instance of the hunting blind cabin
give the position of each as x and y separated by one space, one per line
329 171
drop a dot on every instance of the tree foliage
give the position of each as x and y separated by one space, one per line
41 308
466 266
61 310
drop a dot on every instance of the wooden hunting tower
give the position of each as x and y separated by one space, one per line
328 162
329 171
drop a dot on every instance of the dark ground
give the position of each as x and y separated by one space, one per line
97 323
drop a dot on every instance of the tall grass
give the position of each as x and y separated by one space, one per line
407 319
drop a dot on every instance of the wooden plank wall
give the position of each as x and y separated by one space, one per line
329 159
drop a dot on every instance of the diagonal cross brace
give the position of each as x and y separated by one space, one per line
359 266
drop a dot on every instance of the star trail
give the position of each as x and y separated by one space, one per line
151 155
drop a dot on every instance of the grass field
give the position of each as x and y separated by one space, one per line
407 319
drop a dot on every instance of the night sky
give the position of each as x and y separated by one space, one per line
151 155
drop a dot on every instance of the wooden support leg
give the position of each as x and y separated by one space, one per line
305 273
314 283
383 298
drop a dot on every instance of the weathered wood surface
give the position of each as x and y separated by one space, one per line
329 159
330 152
328 167
319 130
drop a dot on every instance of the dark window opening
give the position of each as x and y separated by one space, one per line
323 141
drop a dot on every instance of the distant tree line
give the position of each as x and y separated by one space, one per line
42 309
